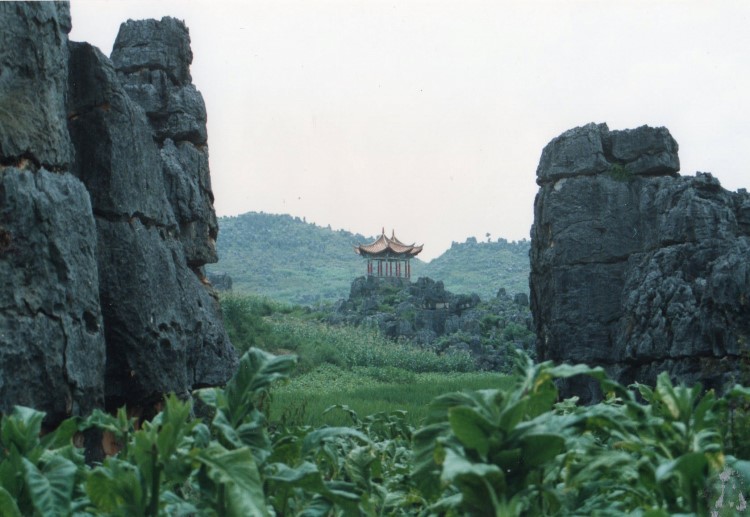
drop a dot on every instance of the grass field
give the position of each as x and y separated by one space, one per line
348 366
367 391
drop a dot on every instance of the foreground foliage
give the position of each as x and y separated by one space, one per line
643 451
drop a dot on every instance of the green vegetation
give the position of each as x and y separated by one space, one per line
483 267
287 259
513 450
290 260
280 328
368 390
618 173
346 365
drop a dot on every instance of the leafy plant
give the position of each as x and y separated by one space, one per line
499 451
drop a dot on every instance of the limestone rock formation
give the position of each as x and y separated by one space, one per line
163 329
152 59
51 334
428 315
106 220
634 267
220 280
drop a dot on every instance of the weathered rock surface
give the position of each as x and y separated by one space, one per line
33 82
163 329
152 59
220 280
102 239
634 267
51 334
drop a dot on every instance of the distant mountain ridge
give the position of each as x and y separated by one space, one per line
291 260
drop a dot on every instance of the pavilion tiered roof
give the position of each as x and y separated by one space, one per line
387 246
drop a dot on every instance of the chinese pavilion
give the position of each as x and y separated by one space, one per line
388 257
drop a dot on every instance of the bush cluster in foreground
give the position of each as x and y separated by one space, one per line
642 451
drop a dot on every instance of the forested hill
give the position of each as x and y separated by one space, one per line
483 267
290 260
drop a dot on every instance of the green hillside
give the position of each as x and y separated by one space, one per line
287 259
483 267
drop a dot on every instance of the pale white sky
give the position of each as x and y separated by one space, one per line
429 117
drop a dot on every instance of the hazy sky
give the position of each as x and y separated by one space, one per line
429 117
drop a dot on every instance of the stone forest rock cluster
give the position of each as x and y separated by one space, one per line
427 315
636 268
106 218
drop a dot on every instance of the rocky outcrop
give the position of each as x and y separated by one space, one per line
634 267
163 328
220 280
106 219
152 59
424 313
51 334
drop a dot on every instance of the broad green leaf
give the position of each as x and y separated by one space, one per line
305 475
357 465
538 449
8 507
256 371
21 429
174 506
345 408
51 487
563 371
175 425
425 463
541 400
479 483
11 471
119 425
471 428
666 394
211 396
61 436
702 414
456 465
318 507
513 414
343 493
237 471
253 434
226 430
690 466
316 438
437 411
116 487
509 460
739 391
